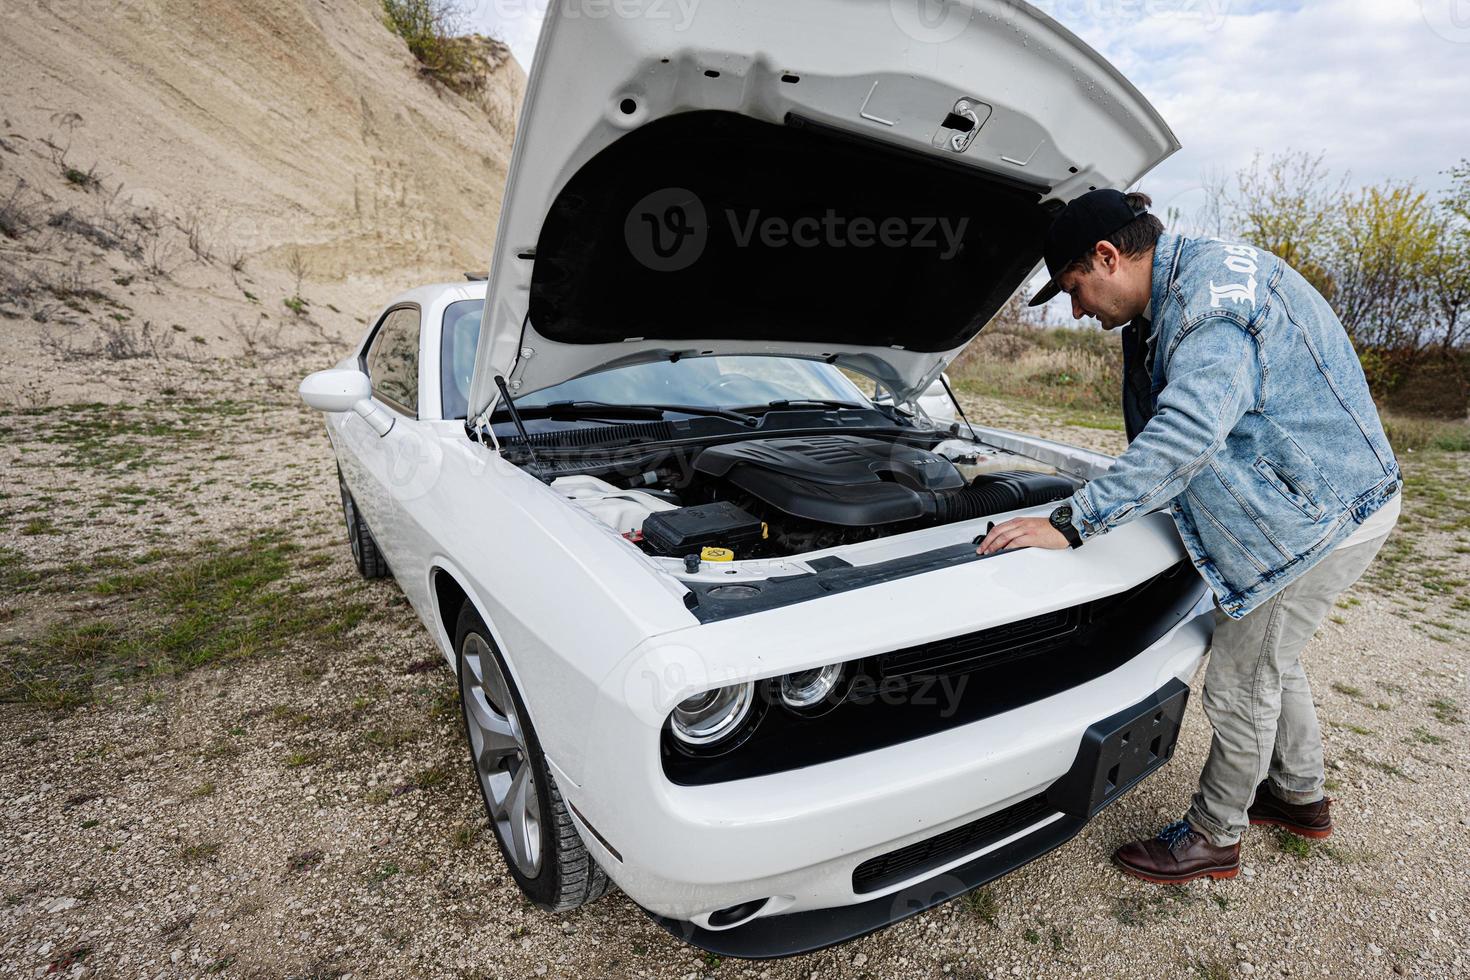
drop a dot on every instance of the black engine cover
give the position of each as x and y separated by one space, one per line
843 480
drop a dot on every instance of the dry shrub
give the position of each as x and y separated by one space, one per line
1074 369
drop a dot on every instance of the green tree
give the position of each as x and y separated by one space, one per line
1288 204
1384 253
1451 268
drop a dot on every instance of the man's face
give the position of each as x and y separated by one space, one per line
1103 292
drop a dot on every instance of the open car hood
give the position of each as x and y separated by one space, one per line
842 180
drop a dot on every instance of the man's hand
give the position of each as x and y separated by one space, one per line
1022 532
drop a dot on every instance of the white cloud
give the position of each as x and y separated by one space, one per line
1377 86
1369 83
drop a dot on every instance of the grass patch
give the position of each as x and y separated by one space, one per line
383 872
1289 843
1446 711
982 904
1211 968
219 605
85 179
1407 432
39 525
17 575
199 853
101 436
1348 689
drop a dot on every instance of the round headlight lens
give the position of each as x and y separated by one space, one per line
709 717
808 689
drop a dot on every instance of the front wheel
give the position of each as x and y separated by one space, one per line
532 826
365 554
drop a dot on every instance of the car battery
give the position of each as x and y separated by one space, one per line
676 533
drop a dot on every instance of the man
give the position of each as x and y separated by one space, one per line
1248 415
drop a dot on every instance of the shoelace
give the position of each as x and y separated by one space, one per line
1176 833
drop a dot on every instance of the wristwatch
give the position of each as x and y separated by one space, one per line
1061 519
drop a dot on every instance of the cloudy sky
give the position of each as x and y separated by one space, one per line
1378 87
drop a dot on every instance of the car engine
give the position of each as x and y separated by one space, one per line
781 496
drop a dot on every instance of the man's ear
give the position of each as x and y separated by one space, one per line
1108 256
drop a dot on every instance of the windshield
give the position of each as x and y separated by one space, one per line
724 381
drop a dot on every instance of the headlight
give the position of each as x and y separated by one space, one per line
814 691
713 716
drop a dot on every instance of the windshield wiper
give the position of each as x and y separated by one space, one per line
812 402
582 409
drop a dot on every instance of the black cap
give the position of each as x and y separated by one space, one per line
1074 232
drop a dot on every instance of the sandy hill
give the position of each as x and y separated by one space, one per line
176 174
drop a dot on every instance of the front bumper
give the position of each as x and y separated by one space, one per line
796 838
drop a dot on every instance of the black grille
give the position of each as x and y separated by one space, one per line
926 855
600 435
985 648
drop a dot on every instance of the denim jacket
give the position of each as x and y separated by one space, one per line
1263 438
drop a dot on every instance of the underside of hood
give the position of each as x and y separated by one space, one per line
807 180
768 233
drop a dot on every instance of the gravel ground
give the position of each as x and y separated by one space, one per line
300 805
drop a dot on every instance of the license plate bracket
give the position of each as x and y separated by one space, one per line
1120 750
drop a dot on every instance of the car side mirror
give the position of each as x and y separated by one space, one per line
345 390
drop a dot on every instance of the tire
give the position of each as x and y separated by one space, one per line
365 554
540 844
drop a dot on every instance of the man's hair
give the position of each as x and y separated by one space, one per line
1135 238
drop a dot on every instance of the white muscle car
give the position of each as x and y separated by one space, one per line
721 632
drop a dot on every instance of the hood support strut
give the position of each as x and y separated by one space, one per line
515 416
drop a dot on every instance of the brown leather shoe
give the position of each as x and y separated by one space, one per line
1177 855
1312 820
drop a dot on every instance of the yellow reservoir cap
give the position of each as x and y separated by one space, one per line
716 554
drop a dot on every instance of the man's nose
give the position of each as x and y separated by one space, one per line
1077 313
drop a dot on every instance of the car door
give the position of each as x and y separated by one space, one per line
379 467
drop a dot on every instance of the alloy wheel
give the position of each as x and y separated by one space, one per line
498 746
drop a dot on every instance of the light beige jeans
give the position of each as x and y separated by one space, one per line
1259 702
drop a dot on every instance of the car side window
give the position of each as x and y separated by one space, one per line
457 355
393 360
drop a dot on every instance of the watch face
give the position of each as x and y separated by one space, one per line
1061 516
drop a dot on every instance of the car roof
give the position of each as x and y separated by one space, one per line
440 294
